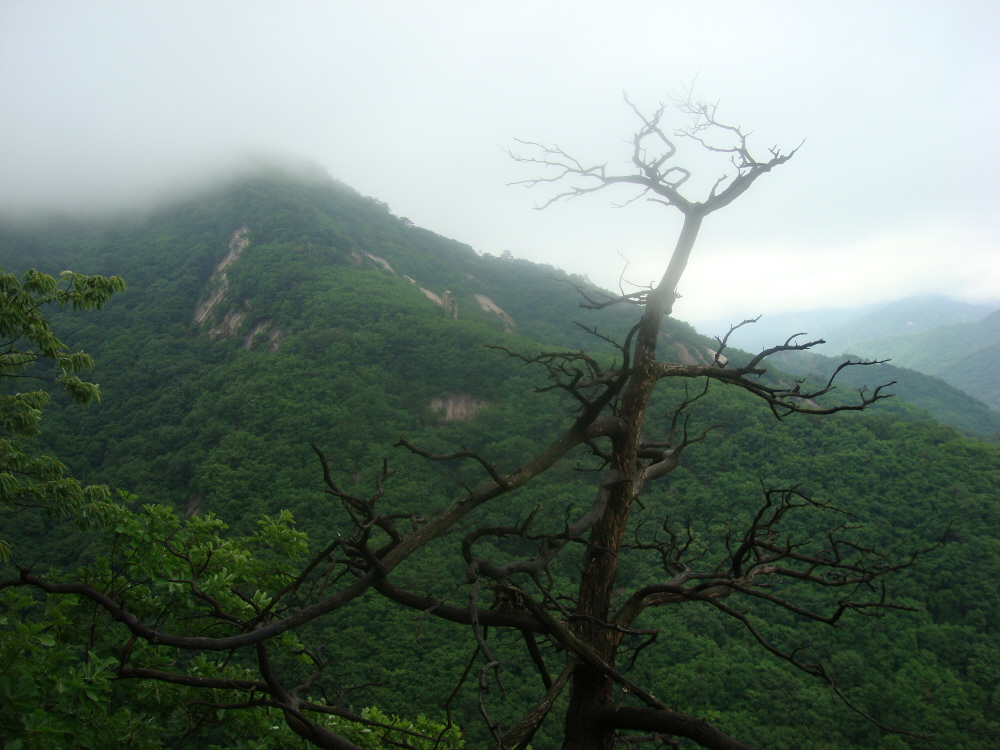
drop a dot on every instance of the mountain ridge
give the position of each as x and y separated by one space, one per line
965 355
211 425
319 219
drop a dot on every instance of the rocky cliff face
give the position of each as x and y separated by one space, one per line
447 302
219 284
265 330
492 307
456 406
216 299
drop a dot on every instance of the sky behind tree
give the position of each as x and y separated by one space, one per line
108 104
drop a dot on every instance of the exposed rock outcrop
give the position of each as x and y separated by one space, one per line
193 505
691 354
229 324
448 303
723 360
432 297
358 259
685 356
492 307
238 243
217 288
382 262
456 406
263 328
274 337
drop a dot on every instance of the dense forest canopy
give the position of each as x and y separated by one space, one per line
333 326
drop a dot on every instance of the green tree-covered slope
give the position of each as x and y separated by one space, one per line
321 331
965 355
905 317
944 401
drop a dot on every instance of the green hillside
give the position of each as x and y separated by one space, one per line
905 317
281 311
965 355
942 400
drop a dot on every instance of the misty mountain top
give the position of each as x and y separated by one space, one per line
274 312
308 221
107 196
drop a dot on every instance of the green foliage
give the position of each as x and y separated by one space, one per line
168 557
54 690
22 324
26 339
433 735
60 679
205 429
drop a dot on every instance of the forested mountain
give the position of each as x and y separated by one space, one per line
943 400
926 340
820 323
842 327
283 310
904 317
966 355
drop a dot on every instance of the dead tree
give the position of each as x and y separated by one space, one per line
583 628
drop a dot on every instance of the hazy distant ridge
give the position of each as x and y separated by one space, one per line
964 355
905 317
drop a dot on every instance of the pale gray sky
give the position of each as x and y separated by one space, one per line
894 192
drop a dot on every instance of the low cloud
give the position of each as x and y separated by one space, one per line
941 258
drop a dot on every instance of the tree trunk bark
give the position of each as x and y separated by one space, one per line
591 692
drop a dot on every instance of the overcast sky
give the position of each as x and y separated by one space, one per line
894 193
